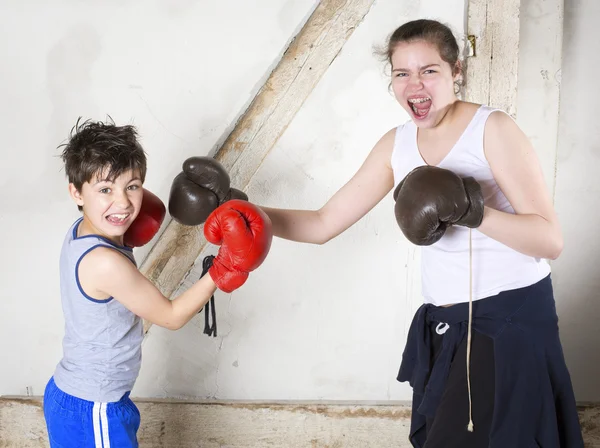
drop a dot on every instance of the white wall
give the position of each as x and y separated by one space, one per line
299 329
557 98
577 282
314 322
306 332
181 71
538 89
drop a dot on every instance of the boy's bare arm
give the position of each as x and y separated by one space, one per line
104 272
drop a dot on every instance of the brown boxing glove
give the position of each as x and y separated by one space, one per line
199 189
429 199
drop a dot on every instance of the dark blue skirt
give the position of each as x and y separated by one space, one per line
533 399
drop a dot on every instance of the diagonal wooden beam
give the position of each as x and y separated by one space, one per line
258 130
492 71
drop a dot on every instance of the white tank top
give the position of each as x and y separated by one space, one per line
445 264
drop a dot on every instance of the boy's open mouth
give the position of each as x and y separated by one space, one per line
117 218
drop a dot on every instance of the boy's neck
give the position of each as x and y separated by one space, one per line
87 228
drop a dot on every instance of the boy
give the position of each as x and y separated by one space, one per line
105 297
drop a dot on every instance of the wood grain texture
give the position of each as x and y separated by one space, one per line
260 127
243 425
492 73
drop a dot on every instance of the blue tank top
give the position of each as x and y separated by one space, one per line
103 339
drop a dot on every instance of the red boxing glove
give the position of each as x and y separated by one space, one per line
147 223
244 233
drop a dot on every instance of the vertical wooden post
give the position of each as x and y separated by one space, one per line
492 68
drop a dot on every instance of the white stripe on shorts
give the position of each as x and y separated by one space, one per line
96 422
104 421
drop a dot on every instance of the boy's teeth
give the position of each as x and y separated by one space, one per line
117 217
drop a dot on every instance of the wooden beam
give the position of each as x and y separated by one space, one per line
492 68
240 425
234 425
256 133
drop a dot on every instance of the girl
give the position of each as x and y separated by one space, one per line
520 394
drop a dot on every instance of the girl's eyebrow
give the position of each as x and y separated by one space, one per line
420 68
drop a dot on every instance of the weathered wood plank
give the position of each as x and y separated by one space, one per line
492 72
234 425
258 130
242 425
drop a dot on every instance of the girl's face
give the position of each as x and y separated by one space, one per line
423 82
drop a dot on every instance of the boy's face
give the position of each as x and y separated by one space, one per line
109 208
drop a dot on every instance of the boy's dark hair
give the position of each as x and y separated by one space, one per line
94 146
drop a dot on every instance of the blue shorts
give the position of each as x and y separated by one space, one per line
76 423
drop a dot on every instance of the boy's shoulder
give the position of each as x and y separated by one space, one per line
93 263
105 261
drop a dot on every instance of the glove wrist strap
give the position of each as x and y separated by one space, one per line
209 308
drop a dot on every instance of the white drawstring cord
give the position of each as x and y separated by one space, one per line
470 425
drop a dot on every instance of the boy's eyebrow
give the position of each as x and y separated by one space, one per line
420 68
110 181
102 180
